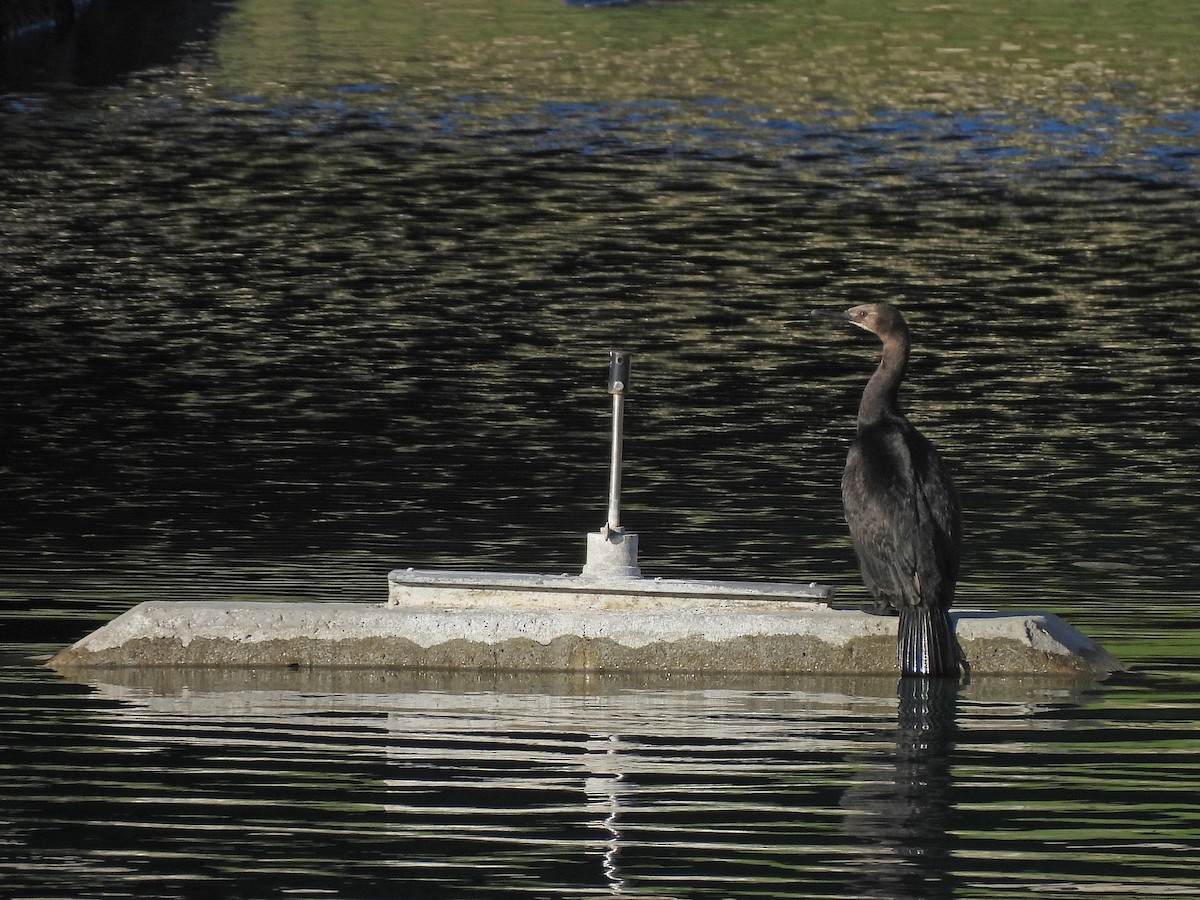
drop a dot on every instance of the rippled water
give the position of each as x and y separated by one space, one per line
295 307
386 784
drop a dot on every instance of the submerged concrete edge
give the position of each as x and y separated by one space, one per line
711 638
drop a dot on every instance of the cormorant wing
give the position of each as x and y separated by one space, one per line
882 509
903 514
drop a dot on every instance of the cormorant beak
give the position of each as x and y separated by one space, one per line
837 316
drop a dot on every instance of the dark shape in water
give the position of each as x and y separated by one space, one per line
902 509
597 3
96 42
901 802
21 17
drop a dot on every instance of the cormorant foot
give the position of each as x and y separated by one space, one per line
880 608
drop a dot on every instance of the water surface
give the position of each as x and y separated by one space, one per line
330 290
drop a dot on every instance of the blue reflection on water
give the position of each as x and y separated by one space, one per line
1104 135
590 4
715 128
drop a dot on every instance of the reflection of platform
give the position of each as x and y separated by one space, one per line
580 702
482 621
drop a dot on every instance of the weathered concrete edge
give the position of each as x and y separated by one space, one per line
342 635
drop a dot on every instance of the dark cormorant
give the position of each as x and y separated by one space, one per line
902 509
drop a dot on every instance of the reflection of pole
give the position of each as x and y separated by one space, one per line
604 785
618 381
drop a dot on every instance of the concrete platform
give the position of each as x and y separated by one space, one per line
496 622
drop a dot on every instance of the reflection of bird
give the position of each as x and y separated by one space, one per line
900 802
902 509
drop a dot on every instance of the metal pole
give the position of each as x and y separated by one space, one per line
618 383
614 474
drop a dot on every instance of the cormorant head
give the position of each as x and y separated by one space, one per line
880 319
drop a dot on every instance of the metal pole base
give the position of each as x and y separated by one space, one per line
612 554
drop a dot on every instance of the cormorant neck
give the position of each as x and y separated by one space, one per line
881 399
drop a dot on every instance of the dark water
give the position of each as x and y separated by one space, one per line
323 291
387 785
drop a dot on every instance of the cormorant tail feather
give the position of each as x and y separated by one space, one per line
926 644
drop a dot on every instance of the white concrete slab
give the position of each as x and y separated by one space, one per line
557 623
